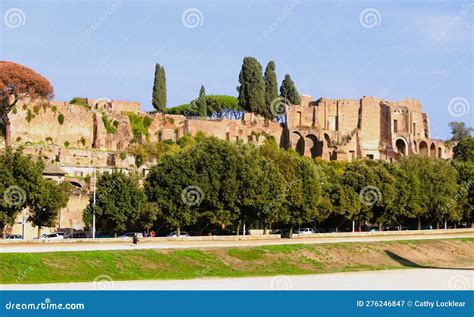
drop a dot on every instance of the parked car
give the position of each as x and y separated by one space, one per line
131 234
65 235
14 237
77 235
303 231
51 236
175 234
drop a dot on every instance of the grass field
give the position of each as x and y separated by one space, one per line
234 262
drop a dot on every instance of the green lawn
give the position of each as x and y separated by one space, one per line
85 266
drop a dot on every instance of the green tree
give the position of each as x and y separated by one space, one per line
175 187
465 196
252 87
271 90
202 103
51 198
438 181
464 150
409 204
20 184
289 92
459 130
159 89
364 182
120 204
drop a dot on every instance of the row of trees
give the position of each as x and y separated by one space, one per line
23 186
214 183
258 93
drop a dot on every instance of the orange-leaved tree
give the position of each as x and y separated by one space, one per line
17 83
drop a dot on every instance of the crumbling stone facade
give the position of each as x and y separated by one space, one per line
330 129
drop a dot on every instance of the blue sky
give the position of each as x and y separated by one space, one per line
334 49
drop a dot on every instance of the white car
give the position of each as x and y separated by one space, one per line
303 231
174 234
52 236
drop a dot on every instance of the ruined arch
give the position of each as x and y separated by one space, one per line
316 149
299 144
401 146
423 148
433 150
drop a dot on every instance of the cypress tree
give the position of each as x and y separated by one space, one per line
252 87
159 89
271 89
202 103
288 91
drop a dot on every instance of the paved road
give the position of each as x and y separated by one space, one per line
183 244
409 279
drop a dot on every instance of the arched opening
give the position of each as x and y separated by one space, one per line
433 150
316 150
423 148
440 153
401 146
299 147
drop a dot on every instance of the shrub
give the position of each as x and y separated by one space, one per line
29 116
61 119
78 101
18 139
66 144
14 111
36 109
83 141
49 139
54 108
139 125
109 127
123 156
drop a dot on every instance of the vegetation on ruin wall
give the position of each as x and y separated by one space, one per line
139 125
110 127
292 259
78 101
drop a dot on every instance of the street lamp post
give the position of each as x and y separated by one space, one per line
93 207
